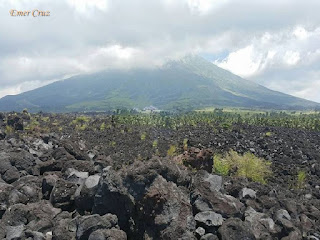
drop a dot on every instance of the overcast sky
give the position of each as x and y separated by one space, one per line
273 42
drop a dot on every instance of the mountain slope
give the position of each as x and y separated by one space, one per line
190 83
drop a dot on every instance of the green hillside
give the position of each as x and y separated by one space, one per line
190 83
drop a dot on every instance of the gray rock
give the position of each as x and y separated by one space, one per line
88 224
262 226
167 210
76 176
282 214
48 183
200 232
35 235
247 193
84 196
62 195
14 232
308 196
223 204
106 234
209 236
235 229
113 197
215 181
209 219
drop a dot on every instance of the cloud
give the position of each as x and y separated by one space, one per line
285 60
265 41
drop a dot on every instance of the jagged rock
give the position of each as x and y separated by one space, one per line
89 224
209 220
62 195
76 176
61 154
247 193
105 234
200 232
283 218
2 134
235 229
84 196
15 121
282 214
15 232
200 159
50 166
35 235
263 227
2 116
73 149
141 174
167 211
209 236
306 224
48 183
226 205
214 182
113 197
5 190
64 229
205 197
79 165
23 160
27 190
11 175
36 217
294 235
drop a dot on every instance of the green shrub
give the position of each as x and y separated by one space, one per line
172 151
269 134
143 136
247 165
155 144
301 179
185 144
221 166
80 120
102 127
9 129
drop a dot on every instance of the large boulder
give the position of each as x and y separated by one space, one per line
206 200
209 220
200 159
86 225
37 217
5 190
263 227
15 122
235 229
112 197
166 212
84 196
62 195
106 234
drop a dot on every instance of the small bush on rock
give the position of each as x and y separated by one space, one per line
247 165
221 166
301 179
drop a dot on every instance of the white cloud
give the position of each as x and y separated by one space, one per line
291 57
281 49
244 62
204 6
83 6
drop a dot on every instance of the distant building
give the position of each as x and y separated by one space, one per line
150 108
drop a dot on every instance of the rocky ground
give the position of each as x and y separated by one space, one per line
118 182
